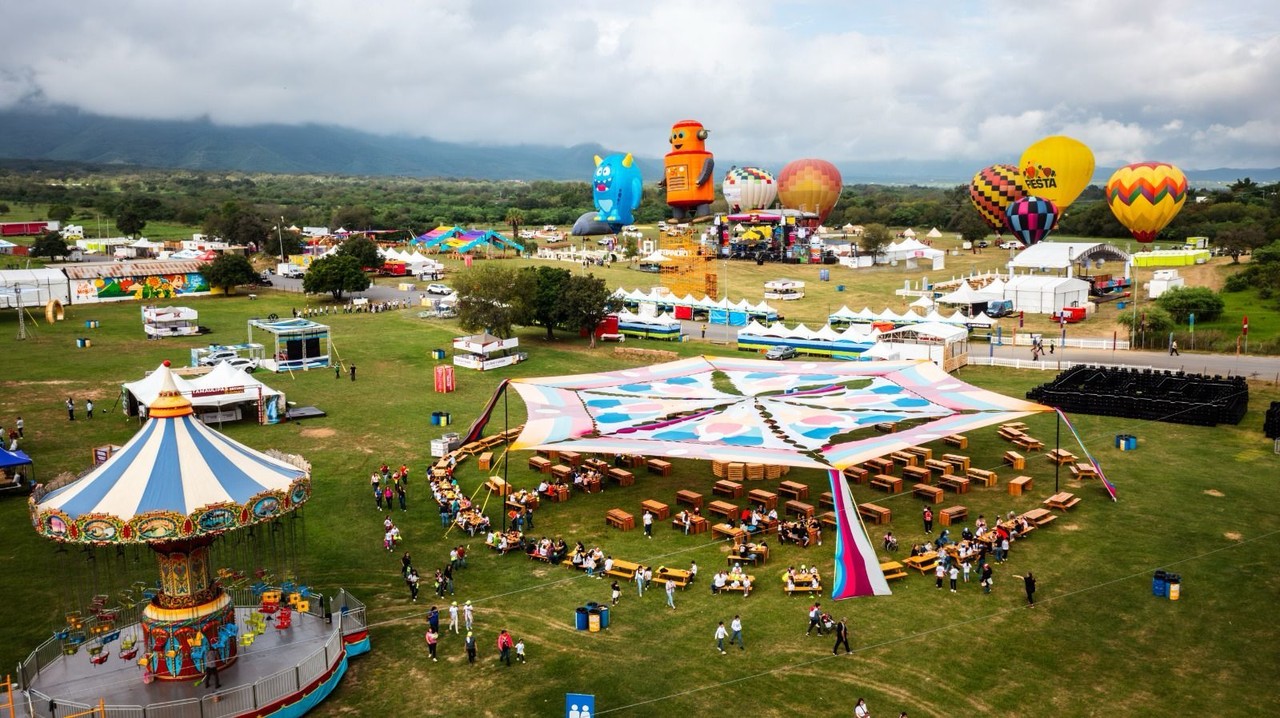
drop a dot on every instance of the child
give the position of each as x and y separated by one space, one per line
617 592
520 650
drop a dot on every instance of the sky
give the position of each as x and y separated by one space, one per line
1193 83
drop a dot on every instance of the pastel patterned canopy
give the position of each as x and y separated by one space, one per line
175 479
809 414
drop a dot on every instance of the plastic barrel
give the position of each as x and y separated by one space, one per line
445 418
581 618
824 275
1175 586
604 616
1158 584
839 287
593 620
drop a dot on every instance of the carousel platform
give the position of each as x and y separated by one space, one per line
283 673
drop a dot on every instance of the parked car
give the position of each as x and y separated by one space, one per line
434 288
981 244
212 358
243 364
780 352
1012 244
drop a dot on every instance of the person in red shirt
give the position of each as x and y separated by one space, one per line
504 647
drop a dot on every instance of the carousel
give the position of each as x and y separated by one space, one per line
196 500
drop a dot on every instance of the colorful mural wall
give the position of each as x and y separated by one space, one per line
143 287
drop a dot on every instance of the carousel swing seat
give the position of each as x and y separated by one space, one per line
285 620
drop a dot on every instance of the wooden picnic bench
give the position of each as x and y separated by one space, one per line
1016 461
623 569
880 465
884 482
939 466
875 513
620 519
960 441
622 476
1062 501
887 427
828 519
958 484
557 493
826 500
932 494
541 464
800 508
729 532
552 455
597 464
856 474
1061 456
892 570
952 515
657 508
659 467
917 473
725 487
1020 485
1009 433
923 563
794 489
983 476
1029 443
757 555
767 499
1039 517
904 458
689 498
959 462
485 461
1083 471
497 485
1019 425
571 458
723 508
679 577
924 453
806 587
697 524
560 471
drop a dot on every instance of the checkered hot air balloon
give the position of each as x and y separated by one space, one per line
1146 196
810 186
749 188
992 190
1032 218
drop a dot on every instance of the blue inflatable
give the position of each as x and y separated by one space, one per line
616 188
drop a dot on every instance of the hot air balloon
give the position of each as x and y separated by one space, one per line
749 188
810 186
1032 218
1146 196
1057 168
992 190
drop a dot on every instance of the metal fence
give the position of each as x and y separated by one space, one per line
348 611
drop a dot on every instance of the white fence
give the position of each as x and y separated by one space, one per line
1045 364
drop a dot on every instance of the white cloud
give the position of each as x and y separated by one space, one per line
1192 82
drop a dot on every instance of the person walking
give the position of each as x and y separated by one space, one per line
432 639
986 578
1029 583
721 634
842 637
671 594
211 671
467 615
617 592
640 580
433 619
1173 348
927 517
20 426
954 574
471 647
453 617
939 573
337 372
88 408
736 626
647 519
504 647
403 495
353 372
71 409
815 619
520 650
412 579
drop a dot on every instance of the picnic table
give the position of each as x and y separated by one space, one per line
725 487
571 458
987 478
958 484
541 464
960 441
892 570
485 461
660 467
923 563
1039 517
942 467
623 569
561 471
622 476
885 482
729 532
620 519
880 465
794 489
1062 501
657 508
1061 456
748 553
800 508
960 462
919 474
768 499
1083 471
856 474
497 485
904 458
697 524
923 452
875 513
723 508
678 576
1029 443
932 494
690 498
825 500
952 515
596 464
1020 485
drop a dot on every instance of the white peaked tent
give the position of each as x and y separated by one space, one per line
982 320
934 234
922 303
966 294
223 386
908 232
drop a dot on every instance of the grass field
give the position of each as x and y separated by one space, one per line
1197 501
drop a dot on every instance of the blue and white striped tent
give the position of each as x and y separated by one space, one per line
176 478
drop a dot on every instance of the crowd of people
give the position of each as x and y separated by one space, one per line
801 531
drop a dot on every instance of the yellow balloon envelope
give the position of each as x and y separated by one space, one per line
1146 196
1057 168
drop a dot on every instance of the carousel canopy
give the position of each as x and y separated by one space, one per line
175 479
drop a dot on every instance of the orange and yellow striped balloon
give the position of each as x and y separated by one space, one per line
1146 196
810 186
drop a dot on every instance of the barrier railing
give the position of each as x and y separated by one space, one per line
1045 364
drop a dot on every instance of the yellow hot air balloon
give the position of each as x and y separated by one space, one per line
1146 196
1057 168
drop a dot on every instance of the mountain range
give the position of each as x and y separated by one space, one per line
68 135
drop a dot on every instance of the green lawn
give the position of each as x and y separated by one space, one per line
1198 501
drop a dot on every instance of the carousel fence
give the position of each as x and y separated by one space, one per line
350 615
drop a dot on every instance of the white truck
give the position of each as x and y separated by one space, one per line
290 270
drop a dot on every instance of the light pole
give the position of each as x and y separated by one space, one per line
280 238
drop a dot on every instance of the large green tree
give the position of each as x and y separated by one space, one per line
238 225
130 222
875 237
335 275
587 301
1240 239
228 271
363 251
489 295
1182 302
49 244
60 212
545 305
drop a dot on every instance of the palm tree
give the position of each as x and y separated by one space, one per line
515 218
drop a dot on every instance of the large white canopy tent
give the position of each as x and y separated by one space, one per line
224 386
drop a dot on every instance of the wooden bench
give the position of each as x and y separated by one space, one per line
932 494
800 508
1009 433
923 563
1029 443
729 532
887 427
1019 425
622 476
960 441
552 455
983 476
485 461
828 519
558 493
689 498
806 587
540 464
939 466
595 464
958 484
723 508
952 515
1083 471
767 499
497 485
856 474
959 462
659 467
884 482
1061 456
571 458
880 465
1062 501
623 569
620 519
657 508
892 570
1016 461
677 576
875 513
917 473
826 500
725 487
560 471
902 457
697 524
1020 485
794 489
1039 517
923 453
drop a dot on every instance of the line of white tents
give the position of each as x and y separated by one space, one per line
669 302
866 316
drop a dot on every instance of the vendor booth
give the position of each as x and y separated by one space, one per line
224 394
170 321
485 351
299 344
644 326
943 344
784 289
16 474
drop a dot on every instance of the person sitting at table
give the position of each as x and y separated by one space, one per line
686 520
966 534
718 582
916 550
791 582
503 543
890 543
559 550
945 538
589 565
815 580
490 539
980 525
532 549
544 488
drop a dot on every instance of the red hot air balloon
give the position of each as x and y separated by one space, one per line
810 186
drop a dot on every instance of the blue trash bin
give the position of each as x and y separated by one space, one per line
839 287
1159 584
604 616
581 618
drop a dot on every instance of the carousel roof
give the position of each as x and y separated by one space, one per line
175 479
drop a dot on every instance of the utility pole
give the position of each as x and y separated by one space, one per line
22 322
280 238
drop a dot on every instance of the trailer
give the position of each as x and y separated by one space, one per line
27 229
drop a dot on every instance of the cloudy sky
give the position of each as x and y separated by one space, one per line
1190 82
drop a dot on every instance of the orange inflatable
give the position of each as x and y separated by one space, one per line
688 169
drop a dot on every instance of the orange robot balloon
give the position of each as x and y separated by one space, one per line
688 171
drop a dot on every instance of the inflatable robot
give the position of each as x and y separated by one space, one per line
688 170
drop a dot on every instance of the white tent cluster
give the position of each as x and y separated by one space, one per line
417 262
664 301
845 316
223 386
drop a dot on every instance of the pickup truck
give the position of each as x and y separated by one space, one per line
290 270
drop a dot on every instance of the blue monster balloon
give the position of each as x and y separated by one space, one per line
616 189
